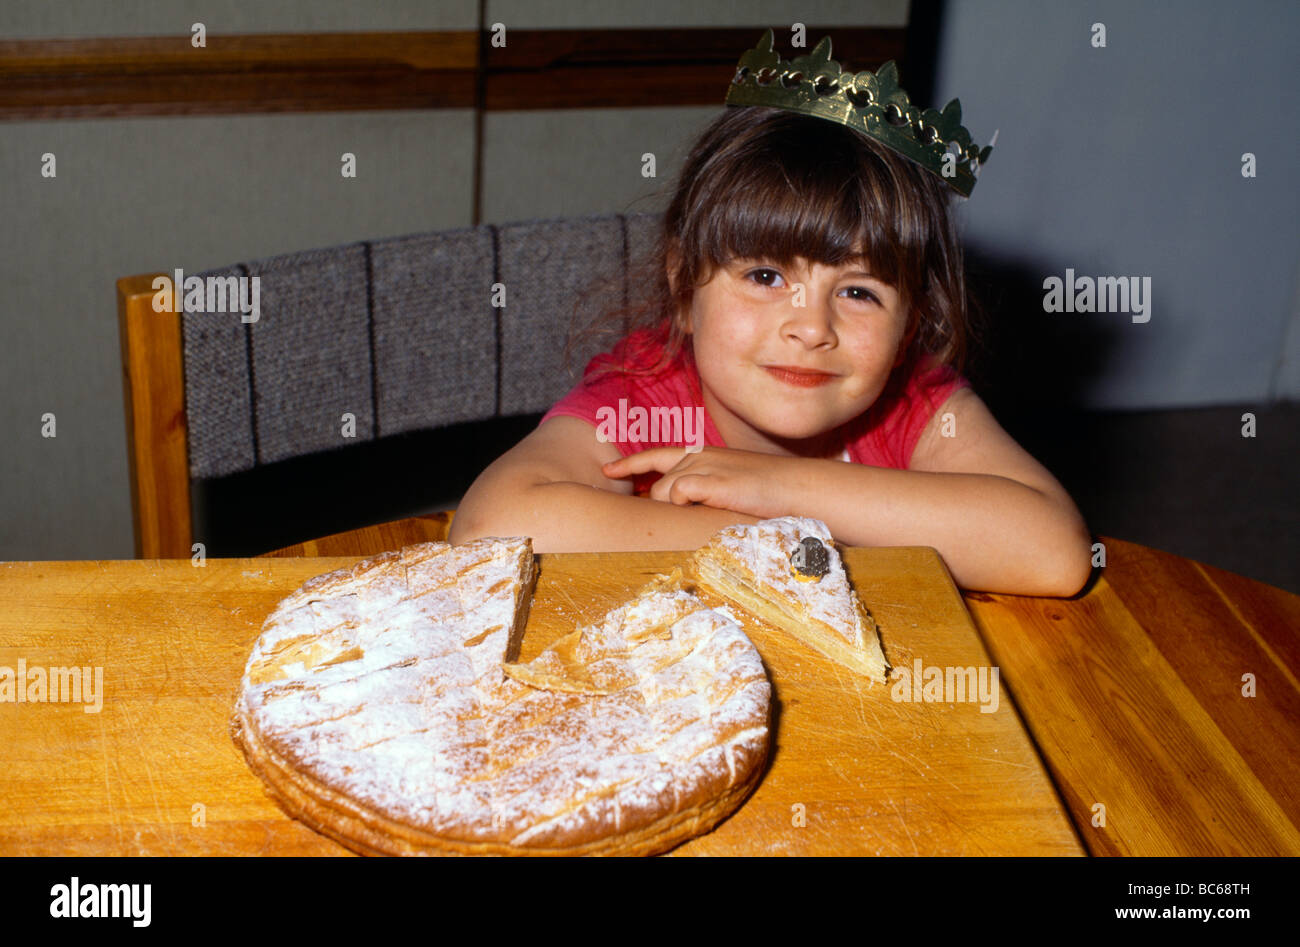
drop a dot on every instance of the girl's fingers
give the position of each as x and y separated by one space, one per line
661 459
680 489
688 489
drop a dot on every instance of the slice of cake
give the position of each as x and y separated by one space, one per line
788 573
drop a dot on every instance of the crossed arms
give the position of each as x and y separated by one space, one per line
999 519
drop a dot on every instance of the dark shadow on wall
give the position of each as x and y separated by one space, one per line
1185 481
1030 366
921 51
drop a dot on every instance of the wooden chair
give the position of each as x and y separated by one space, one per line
401 333
153 381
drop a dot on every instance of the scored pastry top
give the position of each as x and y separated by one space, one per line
679 714
381 689
366 676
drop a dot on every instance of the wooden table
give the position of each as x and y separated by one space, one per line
1127 697
1132 692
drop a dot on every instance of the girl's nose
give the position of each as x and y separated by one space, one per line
812 323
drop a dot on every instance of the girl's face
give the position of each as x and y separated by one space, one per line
780 365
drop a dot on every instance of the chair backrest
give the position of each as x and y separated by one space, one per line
357 342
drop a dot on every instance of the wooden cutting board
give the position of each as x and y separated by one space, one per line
854 769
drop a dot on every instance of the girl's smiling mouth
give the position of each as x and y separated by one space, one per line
798 377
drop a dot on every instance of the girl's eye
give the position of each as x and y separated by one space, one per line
765 277
861 294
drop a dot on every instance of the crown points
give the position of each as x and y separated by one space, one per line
888 72
952 115
872 103
818 62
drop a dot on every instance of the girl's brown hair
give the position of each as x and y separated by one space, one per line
775 185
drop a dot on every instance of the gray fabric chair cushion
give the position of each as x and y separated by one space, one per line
217 390
402 334
311 352
434 330
544 266
642 231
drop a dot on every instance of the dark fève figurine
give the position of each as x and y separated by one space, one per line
810 558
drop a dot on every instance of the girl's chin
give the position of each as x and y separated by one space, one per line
797 431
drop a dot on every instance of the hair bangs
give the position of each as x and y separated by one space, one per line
825 197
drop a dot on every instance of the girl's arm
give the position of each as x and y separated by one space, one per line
550 487
999 518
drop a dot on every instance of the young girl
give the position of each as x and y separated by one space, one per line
810 299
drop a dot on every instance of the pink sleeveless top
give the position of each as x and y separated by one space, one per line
884 436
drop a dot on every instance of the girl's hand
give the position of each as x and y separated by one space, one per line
761 485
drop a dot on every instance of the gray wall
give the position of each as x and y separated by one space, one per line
1127 161
1115 161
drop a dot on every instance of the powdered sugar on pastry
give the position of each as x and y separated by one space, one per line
691 711
375 708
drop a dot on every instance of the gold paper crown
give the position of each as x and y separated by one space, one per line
869 102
